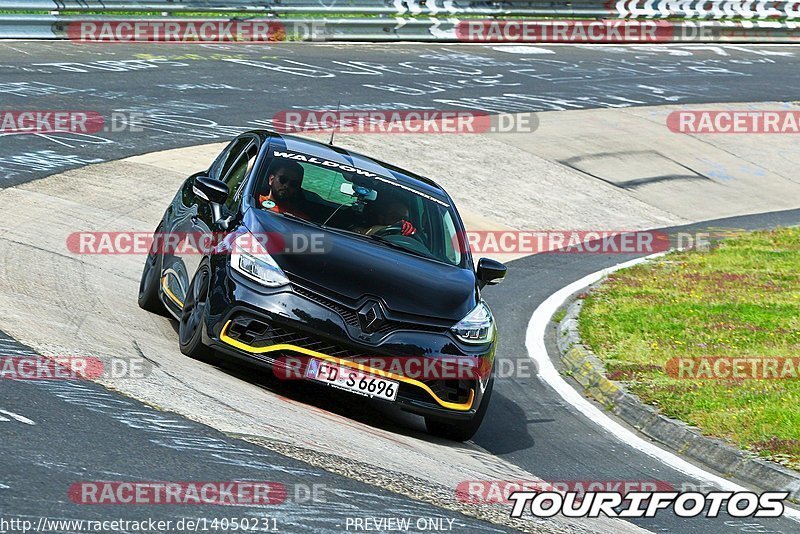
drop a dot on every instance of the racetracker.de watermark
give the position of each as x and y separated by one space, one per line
424 368
583 31
222 493
408 121
191 243
567 241
734 122
318 242
72 368
733 368
194 31
42 121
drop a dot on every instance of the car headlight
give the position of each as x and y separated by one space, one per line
250 258
477 326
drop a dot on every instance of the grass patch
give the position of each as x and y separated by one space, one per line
740 300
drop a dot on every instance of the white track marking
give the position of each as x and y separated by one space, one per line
16 417
534 343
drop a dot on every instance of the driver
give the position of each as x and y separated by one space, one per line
395 213
284 195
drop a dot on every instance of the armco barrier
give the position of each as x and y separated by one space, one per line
688 9
773 21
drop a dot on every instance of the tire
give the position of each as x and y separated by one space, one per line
149 298
193 316
461 430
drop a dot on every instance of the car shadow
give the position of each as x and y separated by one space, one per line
507 427
372 412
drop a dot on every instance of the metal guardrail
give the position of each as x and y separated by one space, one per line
689 9
367 7
417 20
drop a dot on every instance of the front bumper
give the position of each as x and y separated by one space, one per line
272 326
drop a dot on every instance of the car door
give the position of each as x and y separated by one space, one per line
193 221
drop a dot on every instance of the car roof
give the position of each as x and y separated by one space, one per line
342 155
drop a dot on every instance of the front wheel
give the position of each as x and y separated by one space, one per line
151 278
193 315
461 430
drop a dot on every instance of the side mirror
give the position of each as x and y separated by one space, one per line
490 272
215 192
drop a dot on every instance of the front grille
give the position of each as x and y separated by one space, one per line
350 315
256 333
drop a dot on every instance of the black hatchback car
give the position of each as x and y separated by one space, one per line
329 266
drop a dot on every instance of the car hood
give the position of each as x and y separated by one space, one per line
352 269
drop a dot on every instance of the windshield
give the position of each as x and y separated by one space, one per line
341 197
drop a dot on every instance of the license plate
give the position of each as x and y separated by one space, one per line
349 379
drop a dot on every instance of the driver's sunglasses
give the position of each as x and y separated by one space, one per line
284 180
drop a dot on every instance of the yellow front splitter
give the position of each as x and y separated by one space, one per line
346 363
